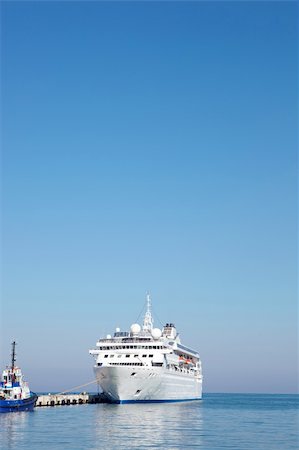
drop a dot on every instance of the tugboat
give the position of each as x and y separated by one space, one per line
15 394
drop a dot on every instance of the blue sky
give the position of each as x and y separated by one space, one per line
150 147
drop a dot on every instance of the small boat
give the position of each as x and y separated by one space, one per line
15 394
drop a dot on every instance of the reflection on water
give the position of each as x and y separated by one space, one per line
235 422
13 428
150 425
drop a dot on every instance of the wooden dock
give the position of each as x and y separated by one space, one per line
69 399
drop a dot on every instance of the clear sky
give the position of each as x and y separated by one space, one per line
150 147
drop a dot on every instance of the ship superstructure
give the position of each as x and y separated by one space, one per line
147 364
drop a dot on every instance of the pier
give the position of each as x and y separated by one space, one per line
69 399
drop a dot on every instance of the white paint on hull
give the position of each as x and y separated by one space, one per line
147 383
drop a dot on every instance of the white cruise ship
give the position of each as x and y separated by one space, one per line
147 365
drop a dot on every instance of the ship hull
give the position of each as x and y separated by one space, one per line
147 384
18 405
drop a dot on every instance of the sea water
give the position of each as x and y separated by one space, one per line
219 421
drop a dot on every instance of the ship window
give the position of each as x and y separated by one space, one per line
119 356
150 356
127 356
143 356
111 356
135 356
106 356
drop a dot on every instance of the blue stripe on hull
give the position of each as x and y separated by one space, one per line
18 405
157 401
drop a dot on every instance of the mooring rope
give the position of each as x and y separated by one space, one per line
77 387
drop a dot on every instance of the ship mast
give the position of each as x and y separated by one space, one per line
148 320
13 355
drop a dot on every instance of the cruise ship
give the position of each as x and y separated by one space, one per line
147 364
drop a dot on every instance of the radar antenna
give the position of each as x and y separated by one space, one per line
148 320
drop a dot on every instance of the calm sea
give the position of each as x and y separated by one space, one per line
219 421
